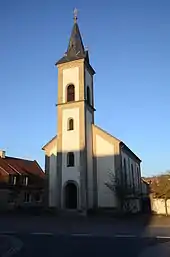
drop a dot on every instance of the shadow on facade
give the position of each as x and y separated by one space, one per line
93 177
21 198
85 186
105 213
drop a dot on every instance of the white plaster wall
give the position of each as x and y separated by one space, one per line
105 165
89 80
71 76
53 176
158 206
70 143
89 157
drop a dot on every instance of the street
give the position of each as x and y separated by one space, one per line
79 245
53 236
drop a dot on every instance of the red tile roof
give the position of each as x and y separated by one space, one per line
21 166
5 167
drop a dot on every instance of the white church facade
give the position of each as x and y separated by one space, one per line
80 158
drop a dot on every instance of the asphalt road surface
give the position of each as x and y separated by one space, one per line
30 236
43 245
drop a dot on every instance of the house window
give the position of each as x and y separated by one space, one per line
12 197
27 197
25 181
37 197
70 124
88 95
12 179
70 159
70 93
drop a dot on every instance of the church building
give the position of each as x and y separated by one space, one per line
81 157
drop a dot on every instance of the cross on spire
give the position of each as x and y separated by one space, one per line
75 15
75 49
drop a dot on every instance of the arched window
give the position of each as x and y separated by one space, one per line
88 95
133 177
70 159
138 177
70 93
125 172
130 174
70 125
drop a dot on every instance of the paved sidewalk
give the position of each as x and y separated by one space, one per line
159 221
160 250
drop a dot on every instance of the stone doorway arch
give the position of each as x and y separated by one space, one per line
70 195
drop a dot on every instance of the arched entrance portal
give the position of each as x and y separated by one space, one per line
70 196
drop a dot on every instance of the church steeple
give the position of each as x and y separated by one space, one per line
75 49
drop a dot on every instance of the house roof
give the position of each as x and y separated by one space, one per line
105 132
49 142
120 142
16 166
75 50
130 151
145 181
6 168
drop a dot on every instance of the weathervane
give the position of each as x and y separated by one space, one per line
75 15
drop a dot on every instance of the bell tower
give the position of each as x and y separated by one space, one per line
75 108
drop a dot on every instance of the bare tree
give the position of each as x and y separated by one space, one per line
160 188
122 189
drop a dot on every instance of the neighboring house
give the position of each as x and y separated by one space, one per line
79 159
151 180
21 182
160 194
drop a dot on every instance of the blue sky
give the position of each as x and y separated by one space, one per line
129 44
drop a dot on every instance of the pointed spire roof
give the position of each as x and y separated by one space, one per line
75 49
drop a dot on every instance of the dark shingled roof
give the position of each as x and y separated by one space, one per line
75 50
